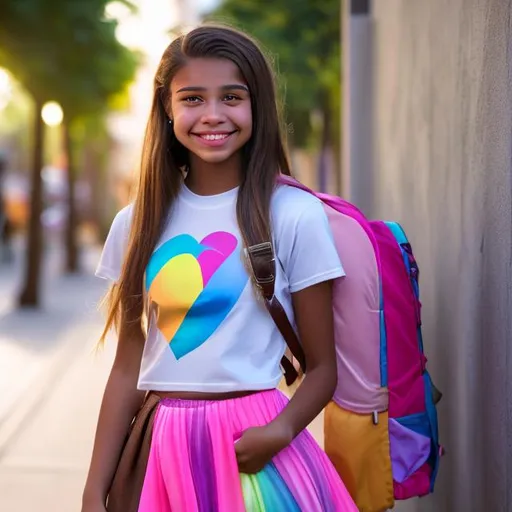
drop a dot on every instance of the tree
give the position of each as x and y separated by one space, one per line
86 94
62 49
33 65
303 36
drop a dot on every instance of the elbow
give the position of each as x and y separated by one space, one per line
327 378
332 381
331 375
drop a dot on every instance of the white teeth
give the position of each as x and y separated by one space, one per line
214 137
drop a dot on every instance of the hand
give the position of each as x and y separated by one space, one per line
258 445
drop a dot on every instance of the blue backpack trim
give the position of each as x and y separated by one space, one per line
383 342
430 407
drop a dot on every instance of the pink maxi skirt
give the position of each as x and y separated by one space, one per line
192 465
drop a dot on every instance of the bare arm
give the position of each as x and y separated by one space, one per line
121 401
313 311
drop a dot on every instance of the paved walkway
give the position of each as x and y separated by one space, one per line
51 381
31 340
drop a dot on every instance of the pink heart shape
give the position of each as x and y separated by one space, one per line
221 245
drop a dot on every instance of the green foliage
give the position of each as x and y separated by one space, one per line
67 51
303 39
64 50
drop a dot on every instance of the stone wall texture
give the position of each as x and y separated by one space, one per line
442 122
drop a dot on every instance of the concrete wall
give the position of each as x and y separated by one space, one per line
443 167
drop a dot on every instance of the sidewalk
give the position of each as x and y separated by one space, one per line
32 340
51 382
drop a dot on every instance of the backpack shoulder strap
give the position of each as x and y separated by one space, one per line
263 264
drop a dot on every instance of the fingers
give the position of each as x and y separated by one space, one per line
249 468
244 463
247 464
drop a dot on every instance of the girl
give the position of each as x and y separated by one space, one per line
197 348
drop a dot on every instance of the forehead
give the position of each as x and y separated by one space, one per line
207 73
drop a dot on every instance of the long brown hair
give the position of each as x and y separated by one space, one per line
164 158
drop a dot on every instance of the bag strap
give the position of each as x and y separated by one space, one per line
263 264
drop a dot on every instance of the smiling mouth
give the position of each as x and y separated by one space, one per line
213 139
213 136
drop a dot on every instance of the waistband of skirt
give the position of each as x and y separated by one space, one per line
169 399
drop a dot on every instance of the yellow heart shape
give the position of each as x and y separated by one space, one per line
174 289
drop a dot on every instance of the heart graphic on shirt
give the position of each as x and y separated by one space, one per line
195 285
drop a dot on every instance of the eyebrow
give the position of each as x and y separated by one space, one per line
229 87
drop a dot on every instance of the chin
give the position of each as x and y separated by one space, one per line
213 158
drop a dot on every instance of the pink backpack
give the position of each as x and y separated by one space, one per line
377 315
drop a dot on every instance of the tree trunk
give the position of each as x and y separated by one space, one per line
71 227
30 290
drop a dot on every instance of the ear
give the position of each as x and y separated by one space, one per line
170 117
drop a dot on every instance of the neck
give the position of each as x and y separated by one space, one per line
206 178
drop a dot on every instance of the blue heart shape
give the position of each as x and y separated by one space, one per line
213 304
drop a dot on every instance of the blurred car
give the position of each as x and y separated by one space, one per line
16 193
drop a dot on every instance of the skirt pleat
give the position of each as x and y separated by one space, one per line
192 463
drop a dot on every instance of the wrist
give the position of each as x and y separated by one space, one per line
93 497
283 429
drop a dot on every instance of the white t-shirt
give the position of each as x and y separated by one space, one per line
211 332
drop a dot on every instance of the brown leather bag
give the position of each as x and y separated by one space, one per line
124 495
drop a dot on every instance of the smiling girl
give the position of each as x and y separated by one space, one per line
191 419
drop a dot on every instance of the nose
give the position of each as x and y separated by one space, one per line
213 113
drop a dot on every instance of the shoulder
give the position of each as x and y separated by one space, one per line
290 205
122 221
303 239
109 266
124 216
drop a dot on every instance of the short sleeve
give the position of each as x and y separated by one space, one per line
112 256
306 249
